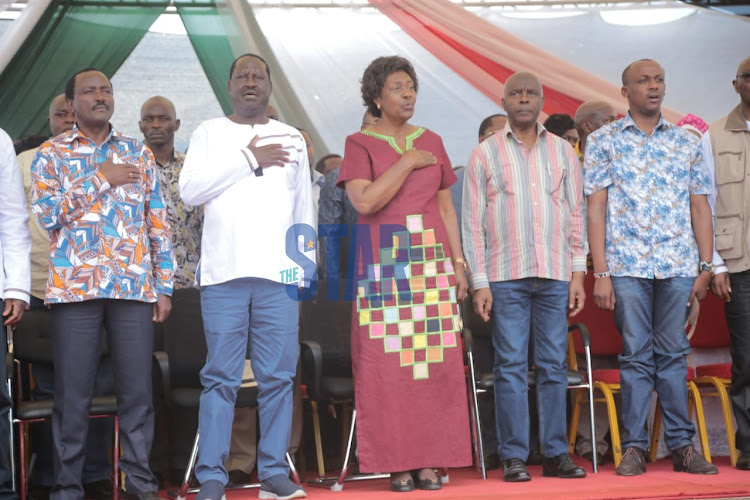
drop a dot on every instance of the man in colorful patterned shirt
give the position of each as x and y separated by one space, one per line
97 192
524 238
159 123
651 244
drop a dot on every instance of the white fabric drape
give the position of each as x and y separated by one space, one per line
15 35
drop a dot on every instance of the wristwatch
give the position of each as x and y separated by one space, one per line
706 266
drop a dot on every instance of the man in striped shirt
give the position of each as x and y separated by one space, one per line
524 240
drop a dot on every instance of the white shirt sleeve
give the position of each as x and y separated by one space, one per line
15 240
708 157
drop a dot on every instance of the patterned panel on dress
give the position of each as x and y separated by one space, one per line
420 324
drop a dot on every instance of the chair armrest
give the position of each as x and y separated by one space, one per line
468 340
583 331
586 341
312 367
161 363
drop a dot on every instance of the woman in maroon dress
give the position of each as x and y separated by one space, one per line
410 391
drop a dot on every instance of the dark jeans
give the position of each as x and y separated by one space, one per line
518 306
6 479
651 314
738 320
76 330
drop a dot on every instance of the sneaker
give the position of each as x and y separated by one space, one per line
633 462
211 490
686 459
280 487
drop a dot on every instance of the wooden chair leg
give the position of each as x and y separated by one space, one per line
614 429
696 402
575 416
655 433
318 439
726 410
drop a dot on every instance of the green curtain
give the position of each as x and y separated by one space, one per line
71 35
208 34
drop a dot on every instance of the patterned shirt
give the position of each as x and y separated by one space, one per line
105 242
523 210
186 222
649 180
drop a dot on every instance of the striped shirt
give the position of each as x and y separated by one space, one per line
523 212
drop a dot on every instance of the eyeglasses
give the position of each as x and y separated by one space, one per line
744 76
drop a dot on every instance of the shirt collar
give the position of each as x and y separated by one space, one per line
628 121
508 132
76 134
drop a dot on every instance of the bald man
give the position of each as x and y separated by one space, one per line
591 116
651 247
158 124
524 238
723 145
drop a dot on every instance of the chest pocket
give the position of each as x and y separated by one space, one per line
730 172
556 174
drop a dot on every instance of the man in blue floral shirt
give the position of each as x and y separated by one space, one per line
651 240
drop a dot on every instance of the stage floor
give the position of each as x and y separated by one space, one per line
659 482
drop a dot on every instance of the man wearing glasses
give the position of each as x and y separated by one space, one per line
727 147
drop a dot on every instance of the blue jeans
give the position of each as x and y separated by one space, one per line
651 314
520 308
228 309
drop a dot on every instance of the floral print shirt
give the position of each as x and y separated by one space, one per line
649 181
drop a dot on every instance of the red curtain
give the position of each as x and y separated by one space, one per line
485 56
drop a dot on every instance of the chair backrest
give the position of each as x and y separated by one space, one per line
329 322
32 339
184 340
712 329
605 337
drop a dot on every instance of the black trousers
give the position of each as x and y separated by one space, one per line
76 329
738 320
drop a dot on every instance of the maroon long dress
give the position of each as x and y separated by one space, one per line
410 390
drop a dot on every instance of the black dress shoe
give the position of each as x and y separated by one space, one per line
743 461
515 471
562 466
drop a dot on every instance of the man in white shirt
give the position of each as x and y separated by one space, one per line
252 176
15 276
726 149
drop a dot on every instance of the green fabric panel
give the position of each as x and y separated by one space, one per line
70 36
208 35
